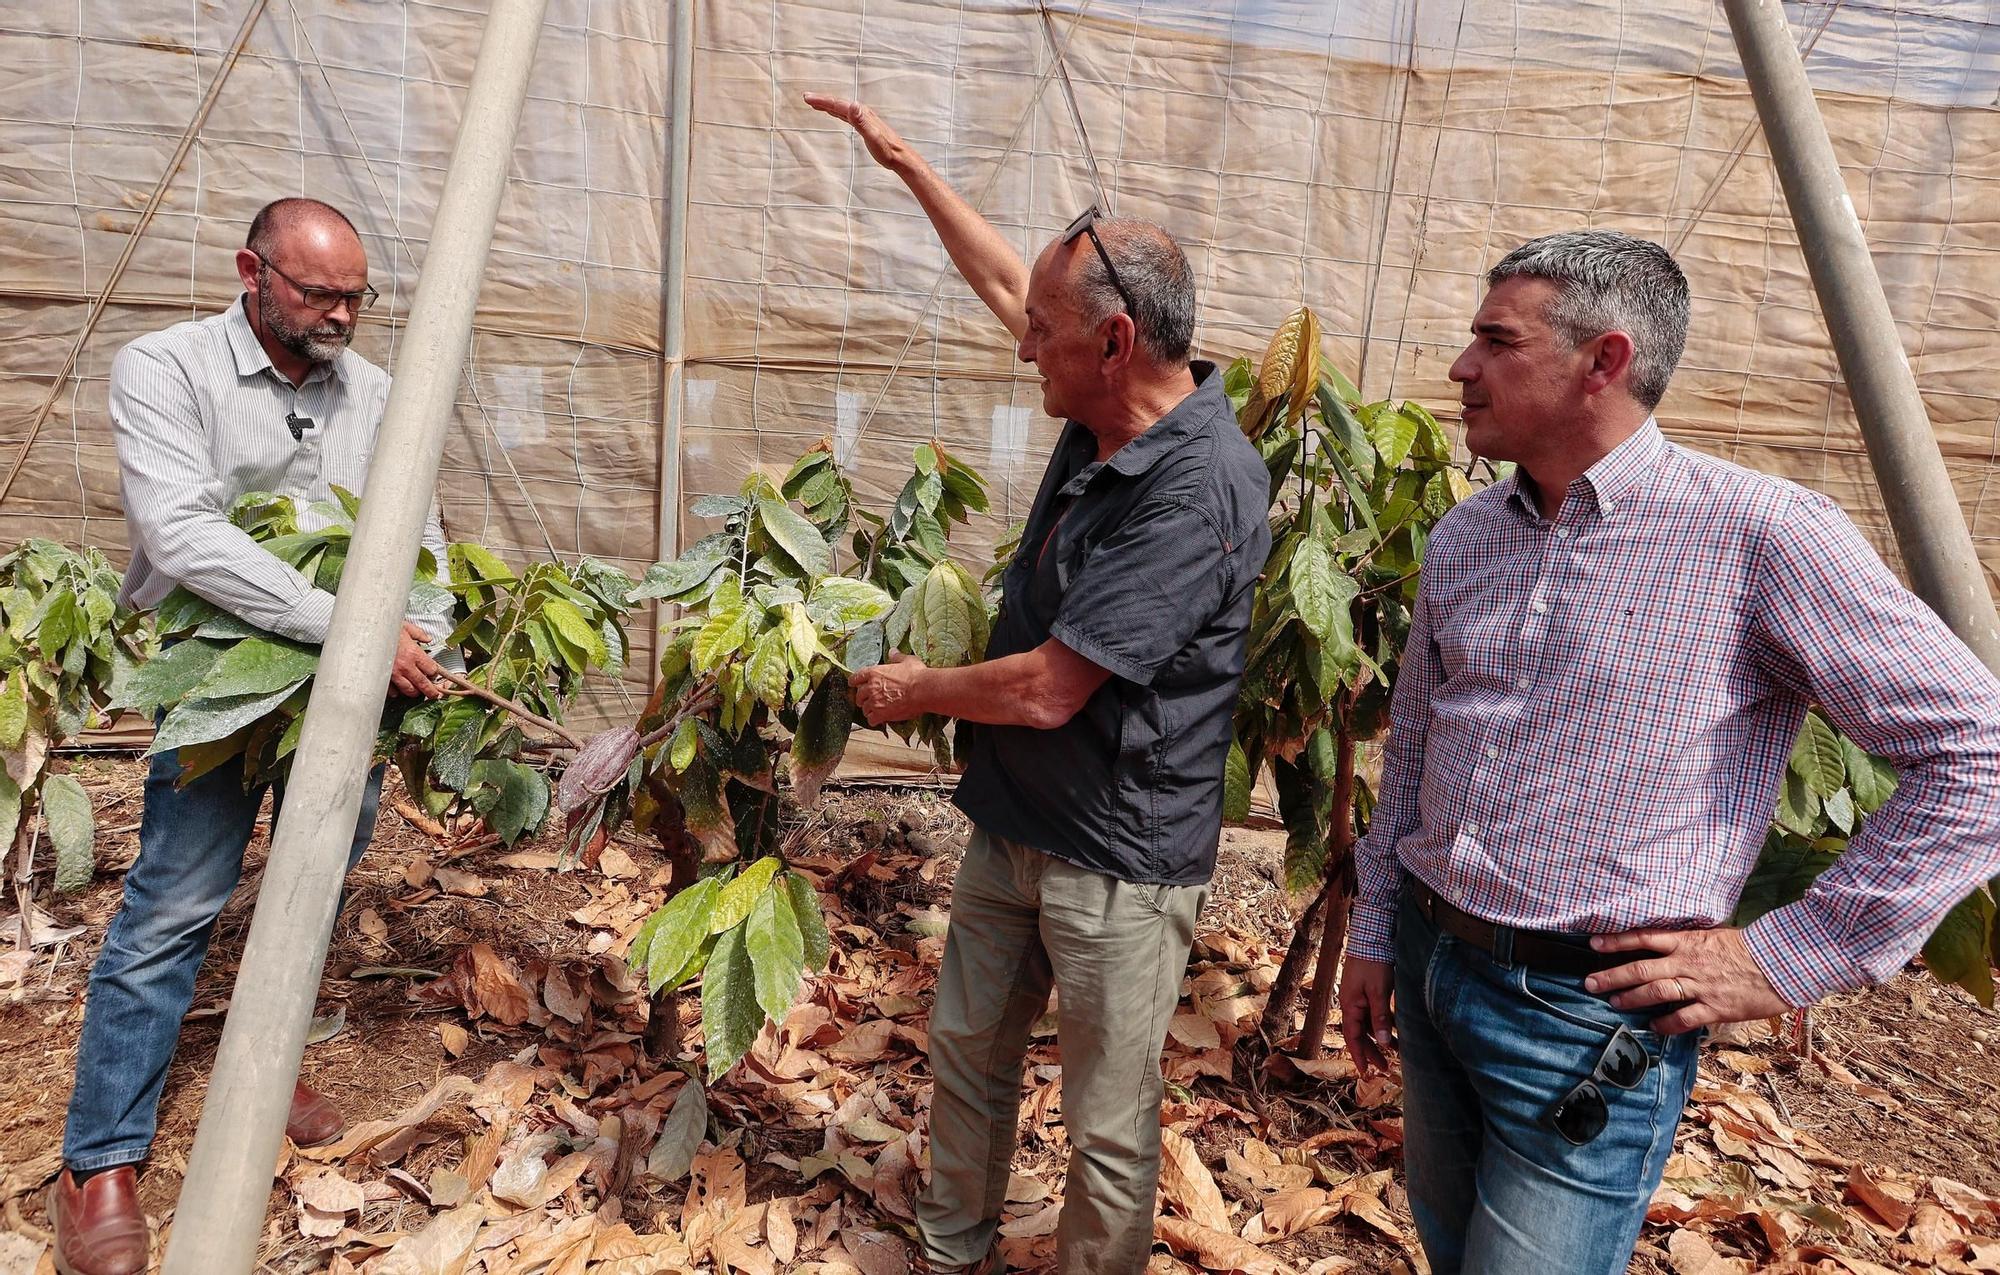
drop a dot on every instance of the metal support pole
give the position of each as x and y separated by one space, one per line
673 277
221 1210
1916 491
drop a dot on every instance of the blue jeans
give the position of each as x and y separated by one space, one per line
1488 1050
191 844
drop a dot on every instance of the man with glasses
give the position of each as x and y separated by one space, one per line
1612 652
263 397
1095 732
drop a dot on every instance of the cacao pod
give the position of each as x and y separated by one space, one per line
599 764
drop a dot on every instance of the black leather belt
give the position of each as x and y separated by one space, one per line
1537 949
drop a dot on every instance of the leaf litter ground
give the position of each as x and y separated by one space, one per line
517 1108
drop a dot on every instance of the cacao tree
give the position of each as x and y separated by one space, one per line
754 670
234 694
1355 490
65 644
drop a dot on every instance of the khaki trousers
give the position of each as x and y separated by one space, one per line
1021 923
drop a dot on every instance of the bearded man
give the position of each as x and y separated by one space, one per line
263 397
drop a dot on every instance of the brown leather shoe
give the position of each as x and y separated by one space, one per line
313 1120
99 1228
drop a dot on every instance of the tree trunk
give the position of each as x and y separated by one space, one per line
1277 1019
1339 892
662 1037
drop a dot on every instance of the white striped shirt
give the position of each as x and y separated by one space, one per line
199 415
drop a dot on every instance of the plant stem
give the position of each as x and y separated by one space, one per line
700 701
1340 875
468 687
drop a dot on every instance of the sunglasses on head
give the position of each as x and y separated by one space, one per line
1584 1111
1086 224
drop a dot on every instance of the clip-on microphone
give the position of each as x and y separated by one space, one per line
298 425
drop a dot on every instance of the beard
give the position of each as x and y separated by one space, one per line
321 342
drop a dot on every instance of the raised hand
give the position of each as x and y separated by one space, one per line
883 142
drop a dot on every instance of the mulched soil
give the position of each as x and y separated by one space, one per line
1879 1152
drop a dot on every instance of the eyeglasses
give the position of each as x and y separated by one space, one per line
324 299
1086 224
1583 1112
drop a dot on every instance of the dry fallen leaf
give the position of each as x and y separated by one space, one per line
1893 1202
454 1037
468 885
1692 1254
1188 1184
1214 1250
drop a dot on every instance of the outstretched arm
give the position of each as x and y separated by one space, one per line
988 262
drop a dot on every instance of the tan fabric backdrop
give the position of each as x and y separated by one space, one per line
1368 157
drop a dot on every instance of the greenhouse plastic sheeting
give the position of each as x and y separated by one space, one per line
1368 157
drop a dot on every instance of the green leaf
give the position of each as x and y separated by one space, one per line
818 945
734 901
1840 811
472 563
777 951
720 638
681 1134
523 797
821 741
13 714
257 666
574 630
67 815
671 579
1314 592
198 721
1798 805
1957 951
841 602
730 1014
1236 784
460 726
181 611
682 931
1872 780
1392 432
10 809
1818 758
1785 869
768 670
681 751
795 534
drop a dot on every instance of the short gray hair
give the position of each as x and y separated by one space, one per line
1154 270
1608 280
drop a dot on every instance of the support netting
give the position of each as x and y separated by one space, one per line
1370 158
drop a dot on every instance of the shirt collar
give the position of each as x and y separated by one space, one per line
1608 481
252 358
1164 435
1624 465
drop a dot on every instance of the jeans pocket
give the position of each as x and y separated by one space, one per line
1564 998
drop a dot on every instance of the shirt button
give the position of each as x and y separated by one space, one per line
1562 533
1470 829
1538 606
1521 684
1609 507
1492 754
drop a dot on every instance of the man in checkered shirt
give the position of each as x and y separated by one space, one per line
1612 652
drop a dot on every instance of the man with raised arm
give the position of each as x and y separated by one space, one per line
265 396
1095 732
1612 653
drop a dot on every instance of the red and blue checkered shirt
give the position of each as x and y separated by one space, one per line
1594 715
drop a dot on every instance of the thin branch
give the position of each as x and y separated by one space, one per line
467 687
